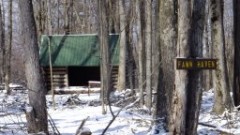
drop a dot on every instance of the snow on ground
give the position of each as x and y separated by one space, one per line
68 118
225 123
71 110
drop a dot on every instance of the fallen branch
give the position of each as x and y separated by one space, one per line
146 119
215 128
207 125
81 126
115 116
125 99
110 123
53 125
132 104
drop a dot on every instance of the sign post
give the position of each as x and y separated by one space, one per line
195 64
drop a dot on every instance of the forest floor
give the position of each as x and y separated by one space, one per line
71 109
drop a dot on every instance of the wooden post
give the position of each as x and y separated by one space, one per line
51 72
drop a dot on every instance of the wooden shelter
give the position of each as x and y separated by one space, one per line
75 59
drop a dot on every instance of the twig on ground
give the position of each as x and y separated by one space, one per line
115 116
110 123
81 125
125 99
132 104
109 105
215 128
147 119
53 125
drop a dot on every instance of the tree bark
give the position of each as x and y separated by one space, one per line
66 17
40 17
2 41
181 76
167 45
221 88
131 50
8 48
148 44
206 49
236 79
123 48
105 57
49 18
195 88
229 41
35 83
3 44
140 53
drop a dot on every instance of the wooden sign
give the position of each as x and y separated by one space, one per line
194 64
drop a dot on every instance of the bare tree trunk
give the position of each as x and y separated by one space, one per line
181 76
228 38
123 49
148 44
222 91
2 45
155 44
66 17
8 50
206 49
209 35
131 59
49 17
114 15
104 47
35 83
70 15
140 53
58 16
195 88
41 17
236 79
50 31
167 45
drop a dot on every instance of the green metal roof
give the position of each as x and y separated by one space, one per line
76 50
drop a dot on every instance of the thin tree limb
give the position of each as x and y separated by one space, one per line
215 128
81 125
115 116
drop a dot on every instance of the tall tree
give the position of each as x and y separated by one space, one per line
123 48
140 52
49 17
131 51
220 82
148 44
206 48
2 42
194 92
8 50
229 41
114 16
49 33
236 79
181 76
104 47
67 16
188 83
167 24
41 16
37 91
